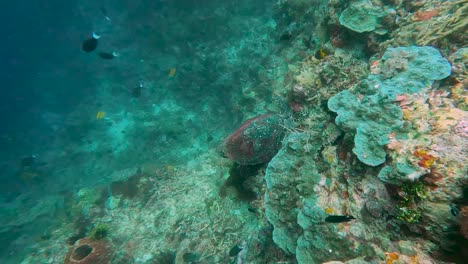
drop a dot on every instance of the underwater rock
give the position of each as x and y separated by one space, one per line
87 251
256 141
374 209
438 222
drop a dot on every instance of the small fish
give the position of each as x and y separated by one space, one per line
107 55
235 250
100 115
320 54
286 36
104 12
454 210
252 210
91 43
172 72
339 218
170 168
28 161
136 92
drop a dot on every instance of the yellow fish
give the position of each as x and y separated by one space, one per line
170 168
100 115
320 54
172 72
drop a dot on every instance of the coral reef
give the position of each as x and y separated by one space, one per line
368 110
361 157
318 80
432 23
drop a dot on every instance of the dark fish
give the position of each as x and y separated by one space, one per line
235 250
320 54
286 36
339 218
28 161
107 55
252 210
91 43
136 92
454 210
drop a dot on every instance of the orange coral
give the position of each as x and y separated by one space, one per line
427 160
392 256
